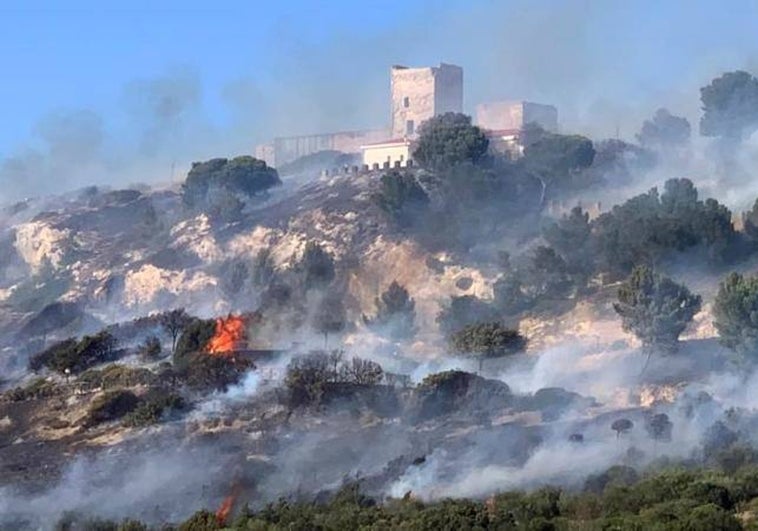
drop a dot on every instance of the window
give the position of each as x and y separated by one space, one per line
406 102
410 127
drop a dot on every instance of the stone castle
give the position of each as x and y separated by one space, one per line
416 95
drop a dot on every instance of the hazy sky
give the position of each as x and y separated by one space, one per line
189 79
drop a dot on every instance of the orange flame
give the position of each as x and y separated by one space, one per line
229 336
225 509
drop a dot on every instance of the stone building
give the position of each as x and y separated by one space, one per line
421 93
514 115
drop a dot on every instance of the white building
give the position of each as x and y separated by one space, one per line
388 154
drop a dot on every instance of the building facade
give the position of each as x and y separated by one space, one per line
421 93
514 115
389 154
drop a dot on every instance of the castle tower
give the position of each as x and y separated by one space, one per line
421 93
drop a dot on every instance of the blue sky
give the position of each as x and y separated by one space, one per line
246 70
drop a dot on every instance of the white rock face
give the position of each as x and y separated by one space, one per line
145 284
37 241
196 235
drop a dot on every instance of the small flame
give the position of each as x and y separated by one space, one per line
225 509
229 336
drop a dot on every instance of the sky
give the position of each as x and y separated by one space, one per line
113 91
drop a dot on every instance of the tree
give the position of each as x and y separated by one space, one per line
546 275
554 159
735 312
395 312
330 316
243 175
447 140
571 238
730 106
488 340
316 265
659 427
194 338
401 197
655 308
621 426
664 131
174 322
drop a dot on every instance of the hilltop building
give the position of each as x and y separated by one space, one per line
422 93
286 149
504 123
416 95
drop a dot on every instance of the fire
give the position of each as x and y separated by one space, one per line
230 335
225 509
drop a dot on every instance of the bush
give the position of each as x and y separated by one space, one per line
111 405
153 408
401 197
208 372
244 175
76 356
487 340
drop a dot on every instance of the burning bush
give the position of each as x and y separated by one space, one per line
195 336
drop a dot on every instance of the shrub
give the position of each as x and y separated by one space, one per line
111 405
153 408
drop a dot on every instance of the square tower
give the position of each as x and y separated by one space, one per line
421 93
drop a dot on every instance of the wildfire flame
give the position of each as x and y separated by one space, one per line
229 336
225 509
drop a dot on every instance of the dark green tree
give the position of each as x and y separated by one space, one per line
735 312
447 140
664 131
555 159
395 312
487 340
243 175
621 426
316 266
174 322
730 106
659 427
655 308
330 316
571 238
